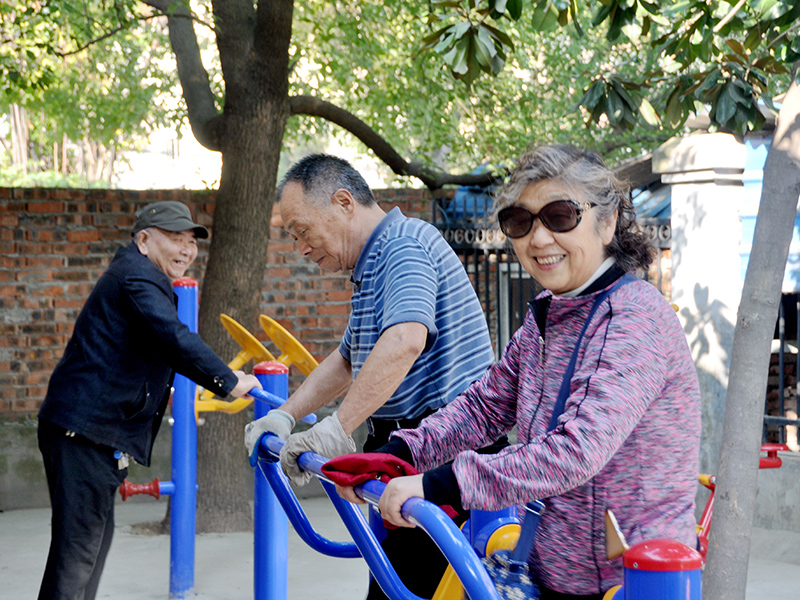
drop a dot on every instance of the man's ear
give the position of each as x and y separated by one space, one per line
344 200
141 241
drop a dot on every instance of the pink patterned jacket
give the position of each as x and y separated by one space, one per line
628 439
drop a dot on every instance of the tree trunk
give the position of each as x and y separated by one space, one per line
232 284
729 544
19 137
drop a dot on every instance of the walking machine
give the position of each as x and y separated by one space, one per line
654 570
187 405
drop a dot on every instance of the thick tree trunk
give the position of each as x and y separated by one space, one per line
233 283
729 544
253 44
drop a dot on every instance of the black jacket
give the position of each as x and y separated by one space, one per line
113 382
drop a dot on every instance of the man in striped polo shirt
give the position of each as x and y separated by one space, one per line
417 336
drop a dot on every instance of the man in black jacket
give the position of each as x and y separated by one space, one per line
109 392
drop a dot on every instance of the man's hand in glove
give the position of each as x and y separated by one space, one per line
275 421
326 438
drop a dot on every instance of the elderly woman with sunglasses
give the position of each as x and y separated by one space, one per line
628 437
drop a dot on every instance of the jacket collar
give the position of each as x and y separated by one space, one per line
541 304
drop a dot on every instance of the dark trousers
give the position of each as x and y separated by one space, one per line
82 478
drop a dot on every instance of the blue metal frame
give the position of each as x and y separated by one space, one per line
183 487
271 555
430 517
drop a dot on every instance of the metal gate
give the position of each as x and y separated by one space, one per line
503 287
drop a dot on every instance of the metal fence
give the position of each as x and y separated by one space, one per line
780 405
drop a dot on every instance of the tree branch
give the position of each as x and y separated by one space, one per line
729 16
203 116
433 180
163 7
157 4
105 36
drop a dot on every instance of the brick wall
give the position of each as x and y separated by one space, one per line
55 243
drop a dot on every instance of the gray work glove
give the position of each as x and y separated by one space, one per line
326 438
275 421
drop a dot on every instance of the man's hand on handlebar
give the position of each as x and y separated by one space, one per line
246 383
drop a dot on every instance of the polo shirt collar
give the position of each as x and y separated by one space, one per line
387 221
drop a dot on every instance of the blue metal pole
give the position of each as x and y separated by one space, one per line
183 510
271 526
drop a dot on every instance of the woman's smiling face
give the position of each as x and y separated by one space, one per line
561 262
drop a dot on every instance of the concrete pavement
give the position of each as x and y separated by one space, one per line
138 564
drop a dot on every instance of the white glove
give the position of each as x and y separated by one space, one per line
275 421
326 438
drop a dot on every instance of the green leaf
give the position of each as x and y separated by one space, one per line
483 53
461 56
501 36
461 28
498 62
593 95
632 31
740 92
446 42
602 13
545 17
648 113
484 37
737 47
616 108
619 87
725 107
650 7
498 5
753 39
515 9
710 81
430 41
674 113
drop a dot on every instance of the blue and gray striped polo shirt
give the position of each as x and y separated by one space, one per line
408 273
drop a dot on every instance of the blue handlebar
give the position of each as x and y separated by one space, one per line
444 532
275 401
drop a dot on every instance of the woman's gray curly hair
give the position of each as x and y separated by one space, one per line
584 171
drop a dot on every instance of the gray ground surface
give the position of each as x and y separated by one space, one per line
138 565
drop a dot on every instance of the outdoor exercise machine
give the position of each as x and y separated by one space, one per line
770 461
186 406
653 570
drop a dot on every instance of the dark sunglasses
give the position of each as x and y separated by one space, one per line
558 216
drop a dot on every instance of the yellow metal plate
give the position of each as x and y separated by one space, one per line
292 351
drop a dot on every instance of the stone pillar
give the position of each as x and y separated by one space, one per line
705 174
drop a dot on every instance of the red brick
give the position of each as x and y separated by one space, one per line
333 309
34 276
73 249
45 207
31 248
339 295
20 406
89 235
51 262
